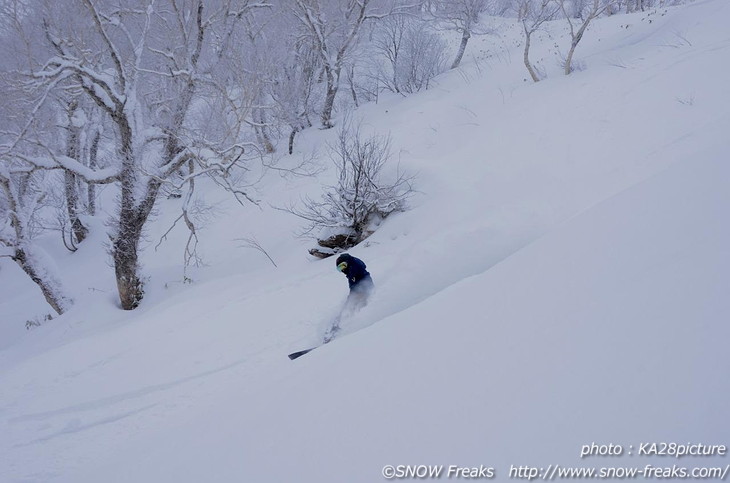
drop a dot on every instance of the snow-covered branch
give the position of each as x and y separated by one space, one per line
59 161
116 57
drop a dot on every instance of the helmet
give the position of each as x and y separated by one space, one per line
342 262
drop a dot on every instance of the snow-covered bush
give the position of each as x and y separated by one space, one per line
350 210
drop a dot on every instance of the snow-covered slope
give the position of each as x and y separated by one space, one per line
609 329
562 279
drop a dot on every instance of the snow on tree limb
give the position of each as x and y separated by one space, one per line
116 58
58 161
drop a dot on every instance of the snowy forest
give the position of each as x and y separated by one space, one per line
150 96
534 194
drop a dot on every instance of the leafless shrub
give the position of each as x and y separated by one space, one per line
252 242
37 321
350 210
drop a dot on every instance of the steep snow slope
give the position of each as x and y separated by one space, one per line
608 328
611 329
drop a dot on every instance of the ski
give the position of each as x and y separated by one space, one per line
297 354
329 335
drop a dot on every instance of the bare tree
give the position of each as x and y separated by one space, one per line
462 16
533 14
586 13
256 70
350 210
293 91
333 28
24 192
21 194
412 55
334 32
83 128
388 42
152 68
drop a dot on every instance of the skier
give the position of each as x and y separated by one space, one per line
361 286
358 278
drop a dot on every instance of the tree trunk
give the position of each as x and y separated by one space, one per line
125 253
126 241
292 134
464 40
91 187
351 79
579 35
569 59
329 101
126 265
78 230
573 45
262 132
50 287
530 69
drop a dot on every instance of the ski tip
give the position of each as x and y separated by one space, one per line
295 355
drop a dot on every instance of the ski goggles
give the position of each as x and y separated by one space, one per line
342 266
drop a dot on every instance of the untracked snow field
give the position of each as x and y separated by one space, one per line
562 278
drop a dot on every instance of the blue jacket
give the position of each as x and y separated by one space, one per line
355 271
